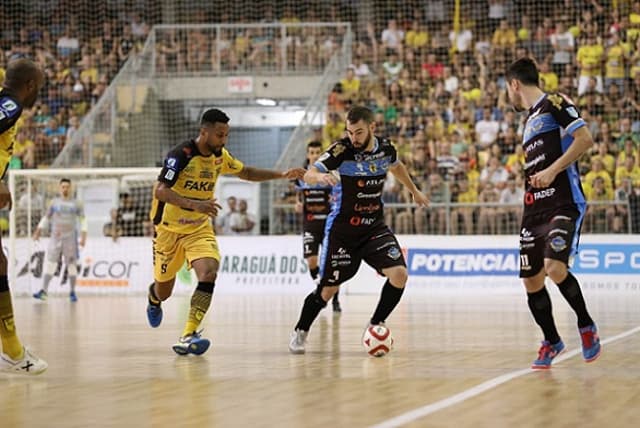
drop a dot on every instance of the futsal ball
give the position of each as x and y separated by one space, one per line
377 340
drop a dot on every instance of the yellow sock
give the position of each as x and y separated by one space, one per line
200 302
10 343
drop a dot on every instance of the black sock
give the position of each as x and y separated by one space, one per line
314 272
335 296
540 306
153 299
313 304
389 298
570 289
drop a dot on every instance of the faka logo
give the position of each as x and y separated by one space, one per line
202 186
373 167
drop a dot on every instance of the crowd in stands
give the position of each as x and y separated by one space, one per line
438 89
80 47
440 95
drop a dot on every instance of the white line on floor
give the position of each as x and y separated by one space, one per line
423 411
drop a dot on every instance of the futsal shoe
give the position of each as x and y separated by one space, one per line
29 364
191 344
72 297
154 315
40 295
546 354
590 343
298 342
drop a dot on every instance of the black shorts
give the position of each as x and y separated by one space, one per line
311 239
342 253
550 235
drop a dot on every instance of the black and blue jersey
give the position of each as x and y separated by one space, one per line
548 133
357 198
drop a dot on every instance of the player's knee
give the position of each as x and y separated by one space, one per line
555 270
207 273
72 269
398 277
316 298
50 268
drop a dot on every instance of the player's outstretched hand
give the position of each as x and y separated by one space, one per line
421 199
328 179
5 196
294 173
209 207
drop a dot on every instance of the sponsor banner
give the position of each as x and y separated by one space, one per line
240 84
269 264
126 266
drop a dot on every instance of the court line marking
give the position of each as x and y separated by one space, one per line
428 409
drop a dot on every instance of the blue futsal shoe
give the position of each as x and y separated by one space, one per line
154 315
590 343
546 354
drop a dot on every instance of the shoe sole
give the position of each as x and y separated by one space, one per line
196 348
595 357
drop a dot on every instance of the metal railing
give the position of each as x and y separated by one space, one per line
467 219
95 145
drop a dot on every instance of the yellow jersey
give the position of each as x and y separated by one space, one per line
614 68
10 111
550 81
623 173
589 58
191 175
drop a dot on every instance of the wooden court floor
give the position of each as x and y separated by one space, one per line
460 360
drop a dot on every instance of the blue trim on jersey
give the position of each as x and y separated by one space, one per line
582 209
364 168
336 196
575 125
540 124
321 167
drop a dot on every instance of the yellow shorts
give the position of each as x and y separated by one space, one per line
170 250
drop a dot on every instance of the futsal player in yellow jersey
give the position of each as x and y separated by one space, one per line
23 81
182 205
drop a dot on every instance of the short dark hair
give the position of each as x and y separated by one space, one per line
314 143
65 180
19 72
358 113
525 70
213 116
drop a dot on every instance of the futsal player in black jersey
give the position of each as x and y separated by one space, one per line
555 136
315 204
355 228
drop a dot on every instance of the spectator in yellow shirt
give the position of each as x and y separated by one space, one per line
598 171
608 161
504 38
589 57
616 56
333 130
417 38
628 171
350 85
548 79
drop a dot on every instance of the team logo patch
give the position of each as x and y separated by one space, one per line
394 253
558 244
171 162
572 112
9 105
169 174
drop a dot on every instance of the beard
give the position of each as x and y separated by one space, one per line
365 144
